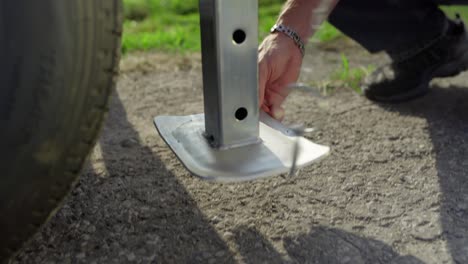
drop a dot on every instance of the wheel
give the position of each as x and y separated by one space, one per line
58 62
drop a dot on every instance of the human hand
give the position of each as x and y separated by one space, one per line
279 66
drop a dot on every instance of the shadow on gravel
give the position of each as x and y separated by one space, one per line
145 214
322 245
446 112
130 209
151 205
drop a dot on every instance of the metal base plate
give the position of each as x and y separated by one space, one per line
272 156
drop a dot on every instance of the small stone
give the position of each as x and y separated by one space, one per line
462 206
82 255
426 233
131 257
212 261
346 259
228 235
129 143
220 253
215 219
276 238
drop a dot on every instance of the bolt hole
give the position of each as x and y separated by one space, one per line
241 114
211 138
239 36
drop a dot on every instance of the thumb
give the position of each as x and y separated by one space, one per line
262 79
277 112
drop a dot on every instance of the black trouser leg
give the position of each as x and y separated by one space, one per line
390 25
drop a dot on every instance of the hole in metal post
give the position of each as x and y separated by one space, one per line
239 36
241 114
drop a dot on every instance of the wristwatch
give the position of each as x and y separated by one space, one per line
290 33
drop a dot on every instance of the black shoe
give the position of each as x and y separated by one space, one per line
408 78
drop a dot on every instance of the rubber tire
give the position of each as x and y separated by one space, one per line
58 63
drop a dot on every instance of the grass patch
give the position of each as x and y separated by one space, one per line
173 25
345 77
452 10
350 77
169 32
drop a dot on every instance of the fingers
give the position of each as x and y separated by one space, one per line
266 109
276 72
275 95
262 79
272 105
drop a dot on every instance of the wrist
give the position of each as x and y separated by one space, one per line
291 34
303 30
284 44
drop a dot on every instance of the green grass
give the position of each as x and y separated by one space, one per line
166 31
345 77
452 10
173 25
350 77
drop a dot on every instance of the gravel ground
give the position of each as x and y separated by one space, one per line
393 189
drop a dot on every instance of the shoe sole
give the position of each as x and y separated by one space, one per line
447 70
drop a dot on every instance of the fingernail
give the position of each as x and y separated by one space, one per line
278 114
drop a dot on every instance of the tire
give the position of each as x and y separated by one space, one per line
58 63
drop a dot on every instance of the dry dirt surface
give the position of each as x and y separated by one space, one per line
393 190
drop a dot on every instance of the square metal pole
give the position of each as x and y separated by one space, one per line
229 34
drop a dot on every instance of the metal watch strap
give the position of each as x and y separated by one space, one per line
290 33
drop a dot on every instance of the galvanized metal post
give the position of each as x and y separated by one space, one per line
229 30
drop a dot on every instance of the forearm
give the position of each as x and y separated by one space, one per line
304 16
